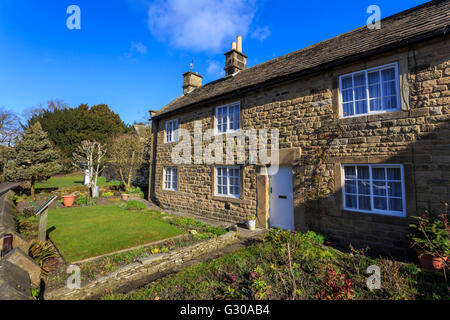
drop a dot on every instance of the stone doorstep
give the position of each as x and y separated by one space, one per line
129 249
145 267
25 262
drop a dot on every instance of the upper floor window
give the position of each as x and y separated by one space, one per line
228 118
374 189
228 181
370 91
172 131
170 178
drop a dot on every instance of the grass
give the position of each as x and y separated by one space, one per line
266 271
85 232
71 180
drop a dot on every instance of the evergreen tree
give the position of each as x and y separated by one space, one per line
35 160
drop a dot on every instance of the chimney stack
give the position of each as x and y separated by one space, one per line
235 60
191 80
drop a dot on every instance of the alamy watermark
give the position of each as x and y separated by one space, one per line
74 20
209 146
373 22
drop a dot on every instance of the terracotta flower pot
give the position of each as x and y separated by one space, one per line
68 200
430 262
125 196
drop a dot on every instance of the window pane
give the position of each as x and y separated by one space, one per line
350 186
378 174
363 187
350 201
380 203
394 174
395 189
363 172
389 88
359 80
347 82
395 204
374 77
348 109
347 95
350 172
390 103
364 203
361 106
388 74
379 188
360 93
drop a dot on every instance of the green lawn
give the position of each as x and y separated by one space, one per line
71 180
85 232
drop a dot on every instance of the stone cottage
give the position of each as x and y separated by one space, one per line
363 132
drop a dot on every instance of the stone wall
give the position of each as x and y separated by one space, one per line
136 274
306 112
17 270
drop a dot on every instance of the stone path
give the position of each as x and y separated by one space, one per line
6 186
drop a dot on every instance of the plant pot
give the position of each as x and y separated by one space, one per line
251 224
125 196
430 262
68 201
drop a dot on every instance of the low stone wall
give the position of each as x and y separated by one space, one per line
142 269
17 270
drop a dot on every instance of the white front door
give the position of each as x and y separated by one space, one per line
282 199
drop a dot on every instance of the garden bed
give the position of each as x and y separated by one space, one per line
305 270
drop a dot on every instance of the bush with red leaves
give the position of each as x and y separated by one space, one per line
335 286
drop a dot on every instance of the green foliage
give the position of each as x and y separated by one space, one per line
34 158
67 127
81 201
135 205
431 234
135 190
41 251
108 194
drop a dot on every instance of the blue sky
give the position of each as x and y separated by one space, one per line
130 54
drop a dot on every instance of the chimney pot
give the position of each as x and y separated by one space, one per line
239 43
233 46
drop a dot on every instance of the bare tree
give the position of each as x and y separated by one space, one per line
10 127
89 155
128 156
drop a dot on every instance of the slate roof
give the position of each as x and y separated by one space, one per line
431 18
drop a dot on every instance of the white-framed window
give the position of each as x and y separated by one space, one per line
228 181
228 118
170 178
374 188
172 130
374 90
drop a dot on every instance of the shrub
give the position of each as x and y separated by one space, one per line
335 286
41 251
135 190
108 194
135 205
80 201
431 233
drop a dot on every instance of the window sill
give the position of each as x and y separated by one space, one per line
374 116
169 190
230 199
378 214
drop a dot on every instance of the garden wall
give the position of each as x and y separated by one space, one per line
17 270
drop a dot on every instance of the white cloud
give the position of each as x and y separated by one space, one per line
215 69
136 48
200 25
260 33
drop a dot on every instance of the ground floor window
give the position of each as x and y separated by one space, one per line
374 189
228 181
170 178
